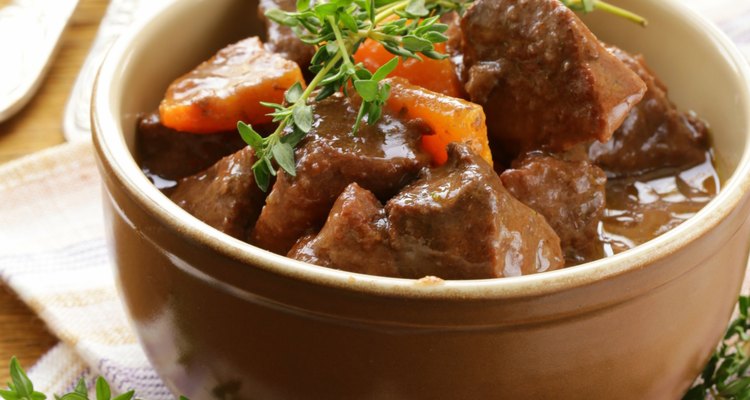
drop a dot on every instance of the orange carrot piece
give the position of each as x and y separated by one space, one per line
450 119
229 88
436 75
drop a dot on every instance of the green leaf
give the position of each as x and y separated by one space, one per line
435 37
323 10
275 106
73 396
417 8
332 48
362 73
125 396
81 387
326 92
399 51
370 8
294 137
38 396
374 114
103 391
385 70
21 382
293 93
348 22
696 393
303 5
183 398
262 175
269 164
736 387
281 17
416 44
435 55
303 117
439 28
363 108
250 137
384 91
9 395
284 156
368 90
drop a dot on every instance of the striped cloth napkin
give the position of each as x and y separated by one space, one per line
54 256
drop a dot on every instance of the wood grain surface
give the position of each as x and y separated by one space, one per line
36 127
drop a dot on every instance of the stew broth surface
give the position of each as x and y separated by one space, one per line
644 207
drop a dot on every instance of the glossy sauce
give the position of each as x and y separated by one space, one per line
642 208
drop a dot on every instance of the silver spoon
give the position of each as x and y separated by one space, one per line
30 32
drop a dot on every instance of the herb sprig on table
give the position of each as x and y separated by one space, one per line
726 374
406 28
21 388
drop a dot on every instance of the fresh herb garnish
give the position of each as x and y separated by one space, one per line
726 374
21 388
406 28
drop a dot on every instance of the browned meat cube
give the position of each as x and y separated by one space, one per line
569 194
281 39
382 158
654 135
544 79
173 155
224 196
459 222
354 238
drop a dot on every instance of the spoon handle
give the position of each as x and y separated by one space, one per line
30 32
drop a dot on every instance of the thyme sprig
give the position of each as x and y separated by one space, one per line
726 375
405 28
21 388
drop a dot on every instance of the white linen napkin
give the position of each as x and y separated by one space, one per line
53 255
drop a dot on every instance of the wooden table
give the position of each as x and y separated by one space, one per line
36 127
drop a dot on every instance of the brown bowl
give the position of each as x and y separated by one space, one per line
222 319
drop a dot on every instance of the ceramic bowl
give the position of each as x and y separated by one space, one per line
219 318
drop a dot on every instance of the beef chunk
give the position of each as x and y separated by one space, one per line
458 222
281 39
382 158
569 194
354 238
455 222
543 78
224 196
654 134
172 155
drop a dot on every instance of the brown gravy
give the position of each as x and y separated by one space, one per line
644 207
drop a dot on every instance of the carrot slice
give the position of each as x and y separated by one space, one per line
436 75
229 88
449 118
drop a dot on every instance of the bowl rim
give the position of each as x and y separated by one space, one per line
112 150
